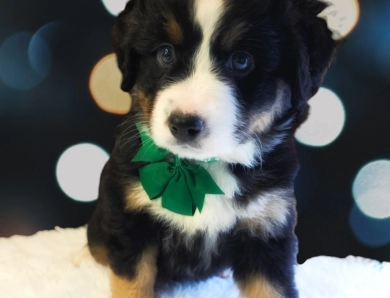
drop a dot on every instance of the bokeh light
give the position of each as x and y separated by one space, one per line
24 61
114 7
369 231
53 32
78 171
371 189
341 16
325 122
104 84
39 55
25 58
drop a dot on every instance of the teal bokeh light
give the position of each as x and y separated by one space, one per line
369 231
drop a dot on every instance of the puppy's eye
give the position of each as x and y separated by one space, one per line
241 62
166 55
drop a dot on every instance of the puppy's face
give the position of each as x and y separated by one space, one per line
211 76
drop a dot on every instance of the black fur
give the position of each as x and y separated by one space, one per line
289 43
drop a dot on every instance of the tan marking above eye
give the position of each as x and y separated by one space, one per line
234 35
174 30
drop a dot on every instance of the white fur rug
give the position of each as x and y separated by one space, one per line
42 266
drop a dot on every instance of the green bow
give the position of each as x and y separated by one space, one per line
181 185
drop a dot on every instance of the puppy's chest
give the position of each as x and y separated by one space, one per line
266 214
218 215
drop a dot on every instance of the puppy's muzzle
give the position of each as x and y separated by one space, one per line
185 127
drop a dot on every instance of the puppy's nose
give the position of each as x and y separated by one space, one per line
185 127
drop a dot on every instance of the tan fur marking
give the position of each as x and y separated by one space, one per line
234 35
263 216
174 30
142 286
145 103
258 287
99 253
134 198
263 121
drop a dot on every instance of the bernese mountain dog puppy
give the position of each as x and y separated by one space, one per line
222 85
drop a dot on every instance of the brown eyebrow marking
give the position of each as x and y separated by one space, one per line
234 34
173 29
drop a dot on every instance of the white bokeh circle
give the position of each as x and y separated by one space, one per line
114 7
325 122
341 16
371 189
78 171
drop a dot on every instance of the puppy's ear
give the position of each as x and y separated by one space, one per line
316 49
122 36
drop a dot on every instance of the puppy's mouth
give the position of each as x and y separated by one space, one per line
188 149
188 146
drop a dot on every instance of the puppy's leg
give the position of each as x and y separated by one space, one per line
127 244
141 285
260 287
264 268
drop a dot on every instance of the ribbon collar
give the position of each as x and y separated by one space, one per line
181 184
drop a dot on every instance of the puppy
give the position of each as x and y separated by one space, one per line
226 80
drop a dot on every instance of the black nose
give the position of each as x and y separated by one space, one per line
185 127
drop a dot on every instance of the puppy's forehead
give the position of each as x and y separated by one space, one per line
207 14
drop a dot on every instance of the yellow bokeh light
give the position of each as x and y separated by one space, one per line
342 16
104 84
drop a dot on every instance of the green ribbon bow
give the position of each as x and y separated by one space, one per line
181 185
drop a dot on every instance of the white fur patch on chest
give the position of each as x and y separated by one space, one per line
218 214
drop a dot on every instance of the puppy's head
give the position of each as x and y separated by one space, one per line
211 76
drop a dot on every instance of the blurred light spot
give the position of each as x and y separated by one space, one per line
39 55
104 85
325 122
371 189
114 7
78 171
15 69
382 53
53 33
341 16
373 30
370 231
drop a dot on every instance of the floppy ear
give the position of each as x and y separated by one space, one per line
122 35
316 49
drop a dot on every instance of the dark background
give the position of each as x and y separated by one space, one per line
42 116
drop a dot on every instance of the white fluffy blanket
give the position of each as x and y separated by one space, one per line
42 266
